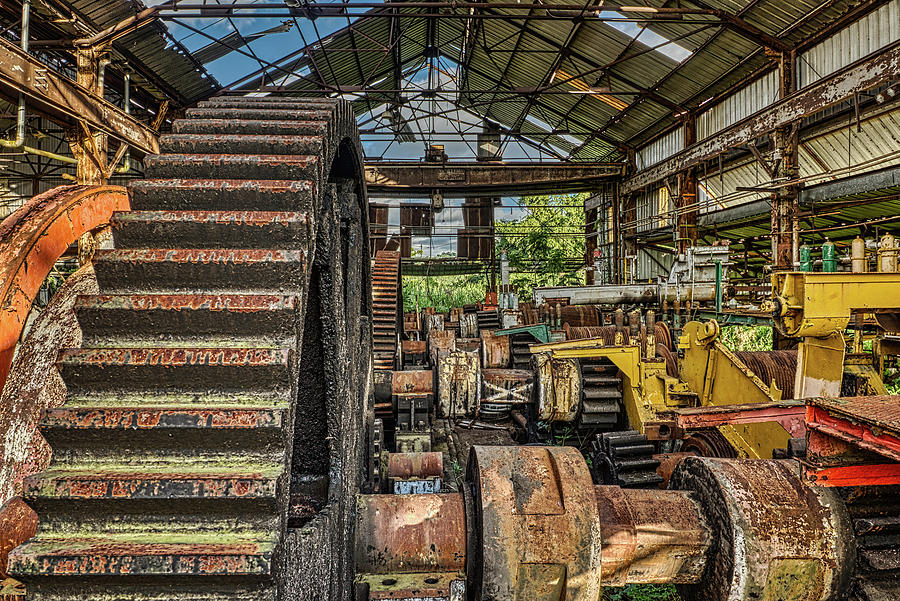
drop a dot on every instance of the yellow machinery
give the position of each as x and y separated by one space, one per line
817 307
720 378
646 388
709 375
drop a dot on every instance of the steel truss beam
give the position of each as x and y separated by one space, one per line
831 90
480 179
63 100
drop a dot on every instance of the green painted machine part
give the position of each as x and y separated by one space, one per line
805 258
829 259
540 331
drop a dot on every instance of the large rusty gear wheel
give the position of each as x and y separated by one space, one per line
212 437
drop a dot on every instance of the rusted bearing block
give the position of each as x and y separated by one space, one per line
412 381
778 539
540 530
495 350
439 342
415 473
410 533
468 325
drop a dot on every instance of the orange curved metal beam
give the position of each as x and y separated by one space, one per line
31 241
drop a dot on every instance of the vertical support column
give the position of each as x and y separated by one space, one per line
785 235
590 241
617 235
489 150
629 208
493 286
89 148
686 207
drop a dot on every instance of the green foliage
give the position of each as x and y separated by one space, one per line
747 338
642 592
892 385
442 292
541 242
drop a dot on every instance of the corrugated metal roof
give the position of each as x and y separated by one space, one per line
151 47
649 86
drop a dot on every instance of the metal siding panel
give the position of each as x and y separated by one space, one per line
660 149
743 103
859 39
723 191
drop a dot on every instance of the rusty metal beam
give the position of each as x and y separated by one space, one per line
789 414
65 101
858 77
123 27
481 179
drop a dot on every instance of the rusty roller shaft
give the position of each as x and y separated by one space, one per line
536 527
428 533
778 367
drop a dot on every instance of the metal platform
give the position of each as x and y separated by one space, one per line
854 441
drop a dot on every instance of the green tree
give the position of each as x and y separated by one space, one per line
546 244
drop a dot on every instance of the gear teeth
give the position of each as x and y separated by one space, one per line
601 397
625 459
230 229
212 269
240 144
173 456
387 305
233 166
108 320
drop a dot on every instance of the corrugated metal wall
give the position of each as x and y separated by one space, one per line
875 146
660 149
847 151
874 31
840 153
651 208
721 193
743 103
648 269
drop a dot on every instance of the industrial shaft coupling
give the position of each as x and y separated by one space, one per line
531 525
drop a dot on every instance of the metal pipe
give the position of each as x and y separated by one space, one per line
49 155
126 160
628 293
19 140
26 23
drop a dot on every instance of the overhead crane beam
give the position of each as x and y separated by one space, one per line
831 90
484 179
60 98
